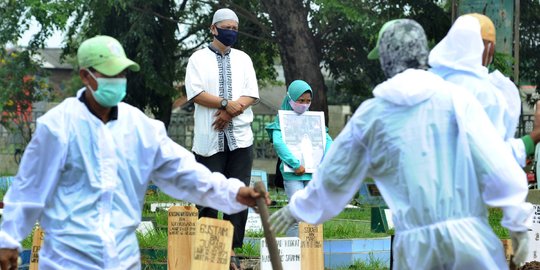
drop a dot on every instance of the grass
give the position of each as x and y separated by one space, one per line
371 264
350 223
249 250
153 239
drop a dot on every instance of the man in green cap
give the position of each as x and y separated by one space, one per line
84 175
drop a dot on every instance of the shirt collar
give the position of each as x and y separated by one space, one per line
113 115
216 50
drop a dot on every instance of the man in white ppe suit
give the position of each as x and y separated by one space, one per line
435 158
461 57
85 173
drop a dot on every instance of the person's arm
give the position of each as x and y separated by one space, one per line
179 175
338 177
36 179
250 92
283 151
503 182
530 140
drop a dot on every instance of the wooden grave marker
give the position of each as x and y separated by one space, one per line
289 254
211 249
534 235
311 246
37 240
181 234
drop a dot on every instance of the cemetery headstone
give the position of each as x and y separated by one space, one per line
211 249
311 246
37 240
289 253
181 233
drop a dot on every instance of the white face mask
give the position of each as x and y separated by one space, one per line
297 107
110 91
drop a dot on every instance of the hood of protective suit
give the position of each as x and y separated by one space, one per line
461 49
408 88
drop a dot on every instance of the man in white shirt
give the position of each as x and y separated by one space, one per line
85 173
222 83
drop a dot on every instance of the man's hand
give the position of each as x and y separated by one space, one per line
248 196
8 259
300 171
520 245
281 220
222 120
235 108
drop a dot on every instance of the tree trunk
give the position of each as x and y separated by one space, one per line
299 55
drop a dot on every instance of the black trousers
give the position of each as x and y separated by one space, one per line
235 164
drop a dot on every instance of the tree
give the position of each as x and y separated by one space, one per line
347 30
148 29
299 54
529 29
22 83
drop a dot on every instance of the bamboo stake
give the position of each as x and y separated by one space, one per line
269 235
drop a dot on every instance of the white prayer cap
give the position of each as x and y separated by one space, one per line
224 14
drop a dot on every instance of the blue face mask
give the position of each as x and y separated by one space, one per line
110 91
226 36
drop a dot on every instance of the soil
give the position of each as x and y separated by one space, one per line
534 265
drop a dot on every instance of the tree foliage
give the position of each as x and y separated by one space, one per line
529 29
22 82
160 35
347 30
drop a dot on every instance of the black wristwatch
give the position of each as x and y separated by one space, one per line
224 104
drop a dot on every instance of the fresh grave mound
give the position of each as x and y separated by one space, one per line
534 265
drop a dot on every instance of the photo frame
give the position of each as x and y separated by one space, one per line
305 136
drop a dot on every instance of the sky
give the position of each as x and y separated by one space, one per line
55 41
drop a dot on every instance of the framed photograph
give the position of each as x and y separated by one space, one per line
305 136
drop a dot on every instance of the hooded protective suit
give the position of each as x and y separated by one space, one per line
458 59
85 182
511 94
437 162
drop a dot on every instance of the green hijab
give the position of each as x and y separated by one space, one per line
295 90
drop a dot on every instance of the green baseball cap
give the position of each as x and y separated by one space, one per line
374 54
106 55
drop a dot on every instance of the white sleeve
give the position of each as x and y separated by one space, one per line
251 88
37 177
503 182
337 179
518 150
178 174
194 81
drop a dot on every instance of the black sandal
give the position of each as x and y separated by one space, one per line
235 263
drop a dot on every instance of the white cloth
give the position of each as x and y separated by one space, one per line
458 59
437 162
230 76
511 95
85 182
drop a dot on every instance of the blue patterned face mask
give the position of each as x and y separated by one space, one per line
110 91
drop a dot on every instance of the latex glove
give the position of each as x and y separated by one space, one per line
281 220
520 245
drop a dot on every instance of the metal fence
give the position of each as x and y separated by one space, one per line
181 131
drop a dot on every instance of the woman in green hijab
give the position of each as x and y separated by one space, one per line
297 99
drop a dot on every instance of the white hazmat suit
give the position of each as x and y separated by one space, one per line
437 161
458 59
85 182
